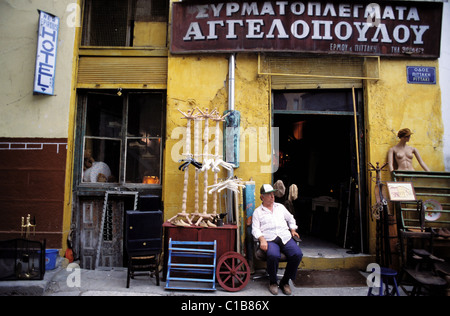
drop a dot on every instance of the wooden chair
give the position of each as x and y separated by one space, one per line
424 275
143 243
261 255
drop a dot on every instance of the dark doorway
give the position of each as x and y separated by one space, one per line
317 153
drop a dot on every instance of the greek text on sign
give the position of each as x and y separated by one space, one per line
421 75
44 75
387 29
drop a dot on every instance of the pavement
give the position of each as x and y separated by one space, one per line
81 282
113 283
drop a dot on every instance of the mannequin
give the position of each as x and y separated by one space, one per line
402 155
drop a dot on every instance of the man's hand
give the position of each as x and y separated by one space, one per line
263 243
295 234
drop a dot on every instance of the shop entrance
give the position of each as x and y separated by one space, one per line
317 153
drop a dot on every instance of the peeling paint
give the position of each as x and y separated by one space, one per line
392 104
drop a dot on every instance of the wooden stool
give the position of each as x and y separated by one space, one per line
387 274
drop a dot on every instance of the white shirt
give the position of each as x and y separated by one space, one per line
273 224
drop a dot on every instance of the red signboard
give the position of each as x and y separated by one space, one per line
356 28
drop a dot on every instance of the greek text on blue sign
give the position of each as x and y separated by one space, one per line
44 75
421 75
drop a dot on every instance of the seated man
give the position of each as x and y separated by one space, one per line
274 227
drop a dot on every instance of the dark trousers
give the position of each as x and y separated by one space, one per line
294 256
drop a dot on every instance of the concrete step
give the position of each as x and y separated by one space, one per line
359 262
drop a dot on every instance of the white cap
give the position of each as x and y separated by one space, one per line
266 188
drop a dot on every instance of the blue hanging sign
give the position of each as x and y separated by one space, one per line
421 75
44 75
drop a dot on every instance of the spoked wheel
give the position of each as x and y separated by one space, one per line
233 271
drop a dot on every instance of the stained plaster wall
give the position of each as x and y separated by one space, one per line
23 114
29 118
392 104
444 73
202 81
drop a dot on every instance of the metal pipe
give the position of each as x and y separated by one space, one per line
231 84
231 101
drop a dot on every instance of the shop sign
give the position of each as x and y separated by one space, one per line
44 75
421 75
382 29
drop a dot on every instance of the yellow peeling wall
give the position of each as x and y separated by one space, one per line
392 104
202 81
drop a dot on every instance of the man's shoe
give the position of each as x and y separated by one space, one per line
286 289
273 288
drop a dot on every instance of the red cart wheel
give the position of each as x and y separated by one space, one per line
233 272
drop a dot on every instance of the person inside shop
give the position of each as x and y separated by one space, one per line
95 171
400 157
275 228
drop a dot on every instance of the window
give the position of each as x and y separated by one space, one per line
122 137
143 154
314 100
111 22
